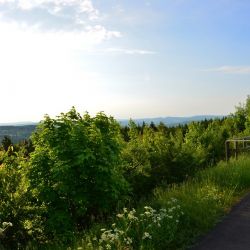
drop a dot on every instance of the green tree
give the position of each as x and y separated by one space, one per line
247 112
6 143
75 171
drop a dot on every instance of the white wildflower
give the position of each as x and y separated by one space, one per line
108 247
146 236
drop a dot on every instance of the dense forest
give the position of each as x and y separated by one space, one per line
77 170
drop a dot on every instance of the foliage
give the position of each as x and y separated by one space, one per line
183 212
13 193
6 143
75 172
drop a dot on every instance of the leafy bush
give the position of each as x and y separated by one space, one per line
75 172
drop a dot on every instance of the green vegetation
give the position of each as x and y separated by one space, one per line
76 172
183 212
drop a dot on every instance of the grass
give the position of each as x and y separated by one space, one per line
191 210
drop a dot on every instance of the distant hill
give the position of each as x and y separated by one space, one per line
18 123
171 121
16 133
19 131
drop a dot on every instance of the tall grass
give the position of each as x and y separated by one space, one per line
184 211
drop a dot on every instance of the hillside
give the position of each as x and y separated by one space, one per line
171 120
16 133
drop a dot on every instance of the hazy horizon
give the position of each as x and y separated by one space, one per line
129 59
118 119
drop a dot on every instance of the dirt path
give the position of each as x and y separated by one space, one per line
232 233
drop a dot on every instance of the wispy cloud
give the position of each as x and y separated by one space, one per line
122 51
231 69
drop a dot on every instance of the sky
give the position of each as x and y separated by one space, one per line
130 59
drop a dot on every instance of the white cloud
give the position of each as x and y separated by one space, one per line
56 19
100 33
129 51
231 69
87 6
83 6
6 1
50 14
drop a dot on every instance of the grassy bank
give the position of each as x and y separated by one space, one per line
175 216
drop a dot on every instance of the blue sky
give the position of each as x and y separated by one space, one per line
128 58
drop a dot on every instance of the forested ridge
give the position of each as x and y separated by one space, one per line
76 171
16 133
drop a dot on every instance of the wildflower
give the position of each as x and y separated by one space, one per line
146 235
103 237
131 216
121 232
108 247
119 215
128 240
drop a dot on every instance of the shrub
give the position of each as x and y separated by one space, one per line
75 172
